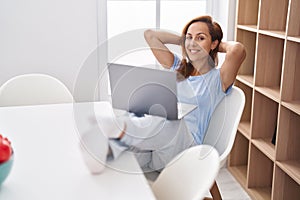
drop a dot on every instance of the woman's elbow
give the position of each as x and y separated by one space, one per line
148 34
239 50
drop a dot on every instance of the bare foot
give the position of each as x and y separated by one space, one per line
123 132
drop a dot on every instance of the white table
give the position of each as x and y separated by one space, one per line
48 162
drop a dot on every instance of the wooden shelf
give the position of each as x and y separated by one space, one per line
273 33
284 186
246 79
239 153
273 15
252 28
271 92
265 112
265 146
260 169
240 173
261 193
245 122
293 106
294 38
292 168
248 39
265 158
244 128
291 74
269 61
294 22
248 11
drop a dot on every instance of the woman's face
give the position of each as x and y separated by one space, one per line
198 41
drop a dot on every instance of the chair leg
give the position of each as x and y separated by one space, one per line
215 192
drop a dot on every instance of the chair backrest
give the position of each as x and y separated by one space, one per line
224 122
33 89
189 175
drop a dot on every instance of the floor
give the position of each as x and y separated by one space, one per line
230 189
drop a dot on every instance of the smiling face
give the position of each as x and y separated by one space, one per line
198 42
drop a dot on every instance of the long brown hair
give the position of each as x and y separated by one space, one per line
186 68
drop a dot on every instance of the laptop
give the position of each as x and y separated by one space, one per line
143 90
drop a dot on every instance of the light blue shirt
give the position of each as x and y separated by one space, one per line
206 92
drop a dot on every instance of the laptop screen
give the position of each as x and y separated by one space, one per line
143 90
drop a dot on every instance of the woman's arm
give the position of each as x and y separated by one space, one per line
157 40
235 55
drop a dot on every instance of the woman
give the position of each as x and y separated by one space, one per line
200 42
156 140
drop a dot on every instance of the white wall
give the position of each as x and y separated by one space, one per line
53 37
223 11
60 37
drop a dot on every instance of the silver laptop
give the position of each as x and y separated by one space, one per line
146 91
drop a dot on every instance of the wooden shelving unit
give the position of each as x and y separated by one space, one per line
270 79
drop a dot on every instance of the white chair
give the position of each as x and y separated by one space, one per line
33 89
223 127
189 175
